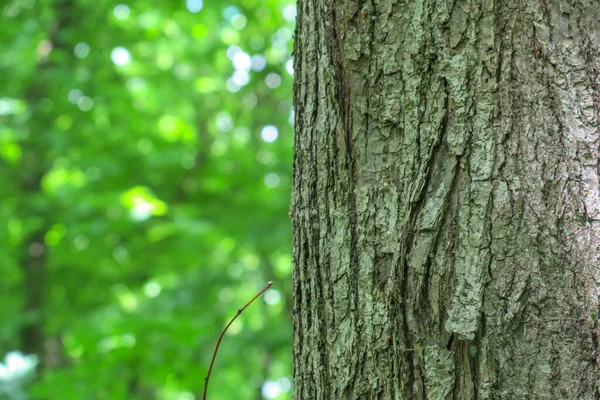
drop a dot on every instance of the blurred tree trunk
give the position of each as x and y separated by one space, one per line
34 209
446 203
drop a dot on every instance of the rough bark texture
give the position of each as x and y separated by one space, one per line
446 201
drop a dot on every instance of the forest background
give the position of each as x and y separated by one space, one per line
145 164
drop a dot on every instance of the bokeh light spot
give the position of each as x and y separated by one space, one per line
289 13
258 62
82 50
242 60
284 384
239 21
224 122
152 289
120 56
270 389
194 6
74 96
269 133
85 103
240 77
121 12
230 12
232 86
272 180
226 295
289 67
273 80
272 297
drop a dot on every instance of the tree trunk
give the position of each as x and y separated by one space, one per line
37 162
446 202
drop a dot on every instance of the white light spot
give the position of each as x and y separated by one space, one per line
16 361
284 34
289 13
272 181
232 51
141 211
289 66
284 384
258 62
291 117
224 122
232 86
273 80
194 6
242 60
241 77
16 366
272 296
74 96
270 389
239 21
152 289
85 103
280 46
7 106
121 12
120 56
82 50
230 12
269 133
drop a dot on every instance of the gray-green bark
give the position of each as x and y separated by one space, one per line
446 203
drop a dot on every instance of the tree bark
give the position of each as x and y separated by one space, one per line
446 203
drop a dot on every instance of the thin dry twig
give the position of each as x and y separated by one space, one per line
239 311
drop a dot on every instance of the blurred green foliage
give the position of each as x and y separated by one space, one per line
145 163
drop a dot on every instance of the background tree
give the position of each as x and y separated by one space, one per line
446 199
145 161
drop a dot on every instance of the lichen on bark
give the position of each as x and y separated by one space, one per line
446 199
